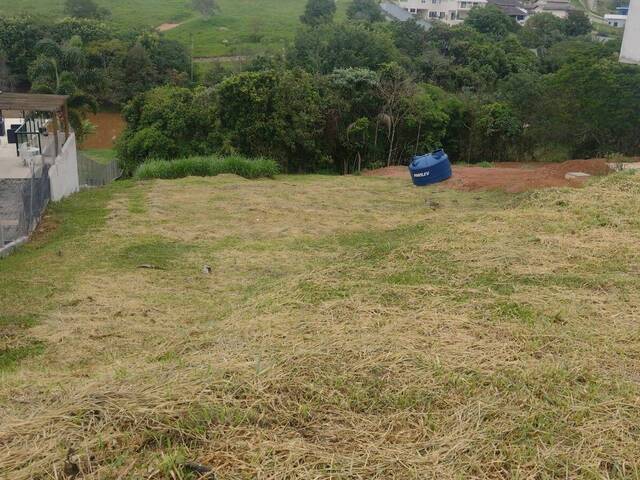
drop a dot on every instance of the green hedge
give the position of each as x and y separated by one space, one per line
207 167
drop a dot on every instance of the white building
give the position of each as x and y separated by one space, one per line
631 42
451 12
558 8
616 21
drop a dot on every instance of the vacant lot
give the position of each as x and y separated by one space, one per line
241 27
348 328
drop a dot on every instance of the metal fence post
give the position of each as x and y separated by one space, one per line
31 197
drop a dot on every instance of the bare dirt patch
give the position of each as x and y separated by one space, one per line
511 177
109 126
165 27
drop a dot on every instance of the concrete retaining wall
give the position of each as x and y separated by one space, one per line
63 174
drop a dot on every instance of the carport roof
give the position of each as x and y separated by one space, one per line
32 102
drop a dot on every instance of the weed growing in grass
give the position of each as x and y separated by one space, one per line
207 167
17 321
485 164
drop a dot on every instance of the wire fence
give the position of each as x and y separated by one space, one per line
96 174
22 203
24 200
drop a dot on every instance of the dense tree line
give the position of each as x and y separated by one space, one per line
353 94
87 59
365 93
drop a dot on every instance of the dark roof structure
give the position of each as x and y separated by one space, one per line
394 12
511 8
32 102
554 5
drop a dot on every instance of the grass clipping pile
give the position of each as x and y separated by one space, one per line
481 335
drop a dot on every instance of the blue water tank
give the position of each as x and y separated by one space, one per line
431 168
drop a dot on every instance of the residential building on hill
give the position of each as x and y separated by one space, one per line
513 9
616 21
451 12
393 12
559 8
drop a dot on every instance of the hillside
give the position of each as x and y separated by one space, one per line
350 327
242 27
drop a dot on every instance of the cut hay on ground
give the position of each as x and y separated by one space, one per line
350 328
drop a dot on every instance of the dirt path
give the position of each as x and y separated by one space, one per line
510 176
165 27
222 59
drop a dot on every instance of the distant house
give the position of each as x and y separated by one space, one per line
394 12
559 8
631 42
451 12
617 21
513 9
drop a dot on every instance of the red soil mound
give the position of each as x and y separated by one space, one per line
510 176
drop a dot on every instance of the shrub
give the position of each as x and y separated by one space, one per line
207 167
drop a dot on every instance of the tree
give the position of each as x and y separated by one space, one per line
84 9
344 45
490 20
272 113
577 24
543 30
205 7
591 107
352 109
56 71
7 79
499 129
318 12
166 123
395 88
365 10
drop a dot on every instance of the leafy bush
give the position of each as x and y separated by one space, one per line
207 167
166 123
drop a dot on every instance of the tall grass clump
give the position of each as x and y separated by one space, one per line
207 167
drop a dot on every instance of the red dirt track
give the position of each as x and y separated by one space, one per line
511 177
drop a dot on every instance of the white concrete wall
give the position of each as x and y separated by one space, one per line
631 43
63 174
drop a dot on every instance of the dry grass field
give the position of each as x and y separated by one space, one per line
349 328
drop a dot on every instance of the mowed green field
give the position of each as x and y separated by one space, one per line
241 27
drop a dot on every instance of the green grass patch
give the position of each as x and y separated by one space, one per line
10 357
137 202
207 167
19 321
101 155
156 253
245 27
485 164
132 13
241 27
